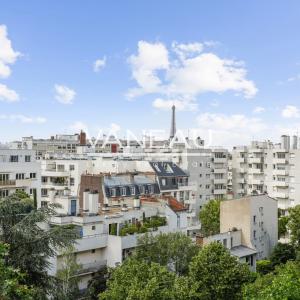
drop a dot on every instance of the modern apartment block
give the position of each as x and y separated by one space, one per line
19 170
266 167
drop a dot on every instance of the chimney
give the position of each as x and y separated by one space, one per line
173 124
295 142
82 138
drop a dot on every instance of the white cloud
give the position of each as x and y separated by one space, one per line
23 119
215 103
190 73
8 55
230 130
150 59
258 109
99 64
181 105
64 94
7 94
290 111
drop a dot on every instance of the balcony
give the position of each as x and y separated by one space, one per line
54 173
255 160
241 160
241 180
281 195
219 170
280 161
220 160
255 171
282 172
281 183
220 192
24 182
91 242
92 267
220 181
255 181
7 183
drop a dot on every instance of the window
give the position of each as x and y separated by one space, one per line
27 158
60 168
20 176
4 177
150 189
181 195
44 192
254 234
44 203
132 190
93 227
72 181
71 167
163 182
14 158
207 186
3 193
44 179
142 189
123 191
93 250
32 175
113 192
225 243
254 219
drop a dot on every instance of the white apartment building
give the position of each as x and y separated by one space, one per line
102 239
19 170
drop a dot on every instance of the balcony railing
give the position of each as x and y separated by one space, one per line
8 183
91 267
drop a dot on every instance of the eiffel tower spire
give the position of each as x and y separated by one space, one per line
173 124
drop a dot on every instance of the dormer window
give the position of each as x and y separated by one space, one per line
132 190
113 192
123 191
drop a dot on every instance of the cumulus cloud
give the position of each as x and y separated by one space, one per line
23 119
258 109
185 71
151 58
7 94
290 111
8 55
99 64
64 94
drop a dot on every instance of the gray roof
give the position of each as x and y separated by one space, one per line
167 169
117 180
242 251
140 179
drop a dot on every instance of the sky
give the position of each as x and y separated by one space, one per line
232 68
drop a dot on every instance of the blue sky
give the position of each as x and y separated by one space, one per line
231 67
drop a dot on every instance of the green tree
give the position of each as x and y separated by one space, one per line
282 226
141 281
174 250
215 274
210 218
294 225
282 253
264 266
11 280
67 281
283 284
30 245
97 284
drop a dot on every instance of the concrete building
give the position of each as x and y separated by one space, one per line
103 239
256 217
19 170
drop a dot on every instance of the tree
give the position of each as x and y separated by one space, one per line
210 218
11 280
67 281
282 226
294 225
215 274
30 245
97 284
174 250
139 280
283 284
264 267
282 253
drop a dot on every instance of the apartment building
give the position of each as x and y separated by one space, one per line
110 232
256 217
19 170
